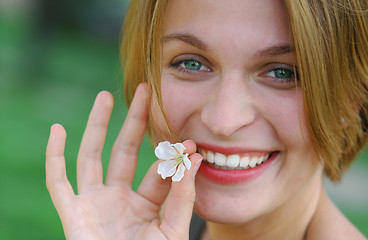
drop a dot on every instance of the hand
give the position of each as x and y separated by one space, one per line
113 210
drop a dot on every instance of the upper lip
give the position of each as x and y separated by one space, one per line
232 150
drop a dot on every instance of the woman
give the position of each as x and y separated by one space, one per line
271 94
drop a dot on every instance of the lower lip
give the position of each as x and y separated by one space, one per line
228 177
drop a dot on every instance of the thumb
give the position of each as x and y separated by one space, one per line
180 201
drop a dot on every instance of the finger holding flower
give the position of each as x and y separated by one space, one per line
175 161
112 210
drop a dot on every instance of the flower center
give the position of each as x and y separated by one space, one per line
179 158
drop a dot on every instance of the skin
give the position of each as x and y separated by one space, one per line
234 101
113 210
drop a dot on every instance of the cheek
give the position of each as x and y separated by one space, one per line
173 102
181 100
291 128
287 114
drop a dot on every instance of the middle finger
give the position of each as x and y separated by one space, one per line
89 166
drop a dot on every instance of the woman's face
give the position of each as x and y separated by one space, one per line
228 83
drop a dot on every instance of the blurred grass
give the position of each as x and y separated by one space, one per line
44 81
49 80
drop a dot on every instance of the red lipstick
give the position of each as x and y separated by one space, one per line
236 176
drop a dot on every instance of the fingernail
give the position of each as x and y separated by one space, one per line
196 167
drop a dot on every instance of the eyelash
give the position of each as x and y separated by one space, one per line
292 70
178 65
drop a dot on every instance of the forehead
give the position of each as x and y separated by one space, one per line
232 21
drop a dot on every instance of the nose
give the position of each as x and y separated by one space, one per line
230 107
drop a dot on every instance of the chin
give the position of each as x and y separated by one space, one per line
224 215
226 205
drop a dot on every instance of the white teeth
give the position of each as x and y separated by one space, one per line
233 161
253 162
204 155
244 162
210 157
260 160
220 159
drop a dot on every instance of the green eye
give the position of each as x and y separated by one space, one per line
283 73
188 65
280 77
192 65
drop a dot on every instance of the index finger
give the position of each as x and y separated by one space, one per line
124 154
190 146
56 180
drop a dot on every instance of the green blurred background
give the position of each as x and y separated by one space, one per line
55 56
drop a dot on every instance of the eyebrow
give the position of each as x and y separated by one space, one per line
187 38
272 51
275 50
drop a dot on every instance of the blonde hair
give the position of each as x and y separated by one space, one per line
141 49
330 39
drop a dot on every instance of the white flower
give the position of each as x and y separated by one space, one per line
175 161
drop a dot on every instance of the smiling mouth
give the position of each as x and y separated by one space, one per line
234 161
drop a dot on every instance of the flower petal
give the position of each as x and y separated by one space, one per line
186 161
179 173
167 168
165 151
179 147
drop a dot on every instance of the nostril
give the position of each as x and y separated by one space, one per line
229 110
224 125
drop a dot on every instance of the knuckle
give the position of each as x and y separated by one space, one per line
126 150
